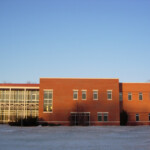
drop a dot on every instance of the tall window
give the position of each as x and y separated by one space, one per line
109 94
75 94
84 95
48 100
120 96
130 96
137 117
140 96
95 95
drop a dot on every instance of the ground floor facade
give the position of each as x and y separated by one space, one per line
76 101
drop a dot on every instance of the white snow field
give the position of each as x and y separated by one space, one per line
75 138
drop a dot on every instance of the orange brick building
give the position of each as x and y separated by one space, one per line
76 101
136 102
95 100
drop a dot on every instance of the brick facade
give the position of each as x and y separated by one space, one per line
77 101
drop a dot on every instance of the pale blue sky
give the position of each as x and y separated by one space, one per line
74 38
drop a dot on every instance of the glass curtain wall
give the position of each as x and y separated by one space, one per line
18 103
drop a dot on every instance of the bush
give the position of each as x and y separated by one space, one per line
29 121
123 118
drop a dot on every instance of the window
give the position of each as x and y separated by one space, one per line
105 116
140 96
129 96
95 95
48 100
75 95
99 115
102 116
149 117
109 94
83 95
137 117
33 97
120 96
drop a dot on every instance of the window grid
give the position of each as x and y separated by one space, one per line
14 104
48 100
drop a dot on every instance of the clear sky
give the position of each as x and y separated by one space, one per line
74 38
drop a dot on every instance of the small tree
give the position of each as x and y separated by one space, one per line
123 118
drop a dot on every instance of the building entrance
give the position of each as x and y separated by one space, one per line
80 118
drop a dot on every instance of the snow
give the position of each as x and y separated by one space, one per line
75 138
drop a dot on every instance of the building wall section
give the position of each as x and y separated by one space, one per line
18 101
136 102
74 98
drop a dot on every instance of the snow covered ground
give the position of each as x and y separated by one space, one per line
75 138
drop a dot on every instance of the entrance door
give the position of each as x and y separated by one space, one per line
80 118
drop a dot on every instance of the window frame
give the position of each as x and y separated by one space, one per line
140 94
74 94
96 94
137 117
48 90
129 94
108 94
103 115
85 94
99 114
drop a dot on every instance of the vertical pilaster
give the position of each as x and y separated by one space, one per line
24 111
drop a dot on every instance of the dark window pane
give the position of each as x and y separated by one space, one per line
109 95
75 95
83 94
120 96
140 96
99 117
105 117
137 117
129 96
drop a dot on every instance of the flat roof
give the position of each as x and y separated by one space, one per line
19 86
75 78
134 82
